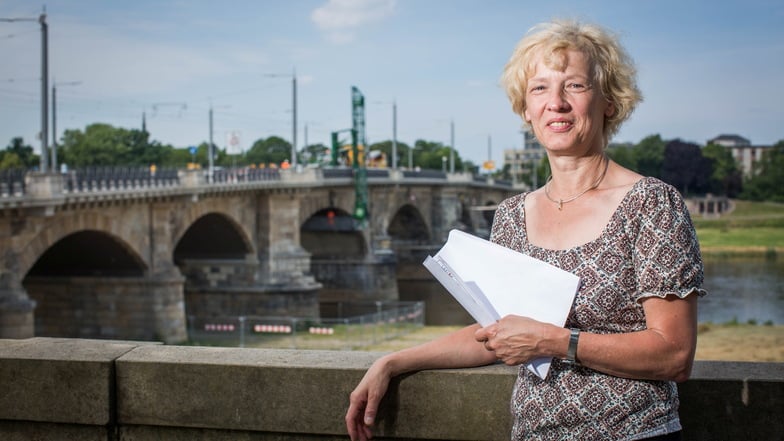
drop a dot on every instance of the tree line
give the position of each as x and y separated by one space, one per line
691 168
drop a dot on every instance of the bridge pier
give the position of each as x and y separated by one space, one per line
16 315
236 287
124 308
16 307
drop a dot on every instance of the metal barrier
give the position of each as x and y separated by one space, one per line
391 320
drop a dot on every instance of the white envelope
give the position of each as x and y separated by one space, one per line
491 281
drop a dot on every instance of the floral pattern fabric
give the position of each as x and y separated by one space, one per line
648 248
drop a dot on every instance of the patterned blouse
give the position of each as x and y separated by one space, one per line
648 248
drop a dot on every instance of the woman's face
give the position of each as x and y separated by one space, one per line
564 108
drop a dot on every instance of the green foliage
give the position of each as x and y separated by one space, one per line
648 156
726 177
685 168
767 181
386 147
430 155
18 155
272 150
316 154
623 155
105 145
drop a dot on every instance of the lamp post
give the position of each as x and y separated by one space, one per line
44 135
451 146
394 134
211 147
54 118
293 112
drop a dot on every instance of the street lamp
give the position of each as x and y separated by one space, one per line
451 146
54 118
44 82
293 112
394 134
211 147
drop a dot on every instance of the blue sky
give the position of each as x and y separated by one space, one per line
705 68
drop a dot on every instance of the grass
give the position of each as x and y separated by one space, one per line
724 342
752 228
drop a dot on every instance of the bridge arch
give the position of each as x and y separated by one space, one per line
91 284
117 227
89 253
222 215
212 236
332 233
408 226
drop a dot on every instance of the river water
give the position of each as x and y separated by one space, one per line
739 290
743 290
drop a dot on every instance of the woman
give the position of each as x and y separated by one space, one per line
631 333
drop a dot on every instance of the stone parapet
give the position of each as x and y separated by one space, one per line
65 381
108 390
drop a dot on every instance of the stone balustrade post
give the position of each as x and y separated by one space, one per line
44 185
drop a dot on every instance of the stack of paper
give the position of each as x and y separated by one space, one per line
491 281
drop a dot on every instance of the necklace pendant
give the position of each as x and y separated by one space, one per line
560 204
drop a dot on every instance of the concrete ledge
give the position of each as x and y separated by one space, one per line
59 380
63 389
302 392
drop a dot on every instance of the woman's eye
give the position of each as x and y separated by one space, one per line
537 88
575 87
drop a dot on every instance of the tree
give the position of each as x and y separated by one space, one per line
386 148
431 155
316 154
18 155
104 145
272 150
726 178
648 156
767 181
685 168
623 155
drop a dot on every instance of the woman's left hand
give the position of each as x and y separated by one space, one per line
514 339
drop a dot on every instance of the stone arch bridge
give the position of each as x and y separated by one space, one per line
128 254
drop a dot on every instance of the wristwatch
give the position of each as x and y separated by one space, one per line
571 353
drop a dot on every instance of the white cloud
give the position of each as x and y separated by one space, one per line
340 18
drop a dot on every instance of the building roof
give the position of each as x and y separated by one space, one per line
729 140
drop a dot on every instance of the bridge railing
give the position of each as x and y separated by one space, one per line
245 174
117 178
19 185
12 182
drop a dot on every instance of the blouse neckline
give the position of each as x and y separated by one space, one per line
613 219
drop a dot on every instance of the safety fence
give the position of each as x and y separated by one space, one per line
388 320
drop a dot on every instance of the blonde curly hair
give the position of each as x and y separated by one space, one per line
613 69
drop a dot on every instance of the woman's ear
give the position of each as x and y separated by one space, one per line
610 110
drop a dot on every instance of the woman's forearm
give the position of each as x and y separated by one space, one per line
456 350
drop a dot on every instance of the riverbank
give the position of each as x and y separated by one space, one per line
751 229
725 342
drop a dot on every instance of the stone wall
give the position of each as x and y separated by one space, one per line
70 389
139 308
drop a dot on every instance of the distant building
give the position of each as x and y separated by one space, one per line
521 161
745 154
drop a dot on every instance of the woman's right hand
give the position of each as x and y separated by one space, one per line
365 399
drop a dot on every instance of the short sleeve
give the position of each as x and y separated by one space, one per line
666 252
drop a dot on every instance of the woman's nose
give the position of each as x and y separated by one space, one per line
556 101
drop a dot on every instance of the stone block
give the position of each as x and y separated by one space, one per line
59 380
305 392
25 431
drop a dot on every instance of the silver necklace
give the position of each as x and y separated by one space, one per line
560 202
